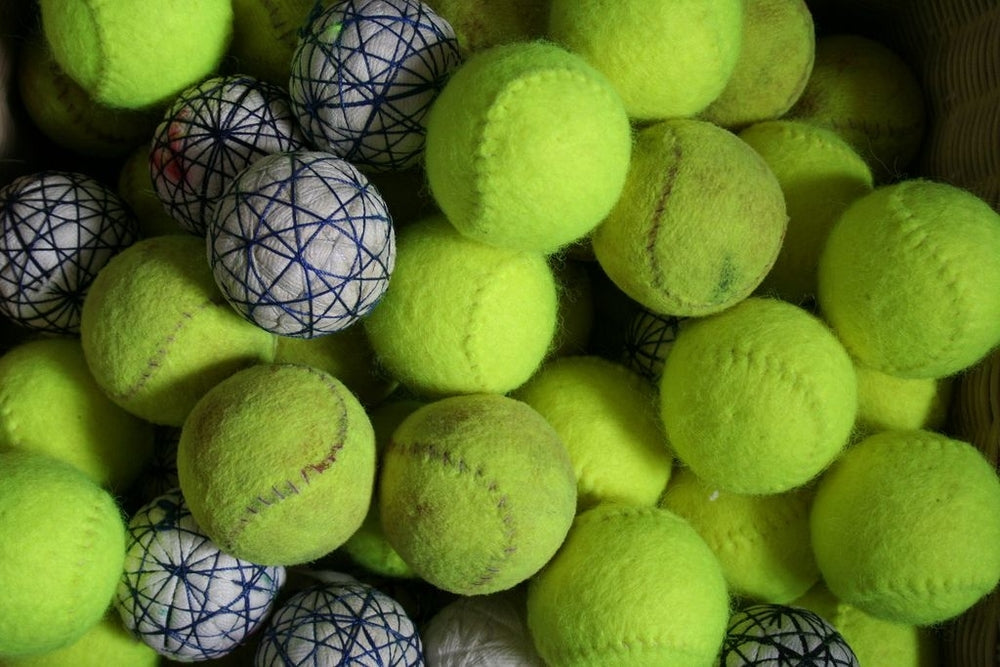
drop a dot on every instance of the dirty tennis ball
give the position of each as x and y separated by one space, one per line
107 643
910 279
699 223
890 403
627 572
265 34
476 493
277 464
481 24
527 147
132 55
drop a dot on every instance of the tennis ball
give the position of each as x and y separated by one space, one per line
630 585
666 58
906 526
135 187
462 316
476 493
481 24
50 403
699 223
107 643
265 34
910 279
61 553
157 333
758 399
890 403
527 147
276 463
762 542
606 417
133 55
575 316
820 176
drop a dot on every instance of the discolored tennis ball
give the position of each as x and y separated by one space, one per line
481 24
265 34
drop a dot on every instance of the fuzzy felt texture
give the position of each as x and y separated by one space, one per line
461 316
157 333
575 316
630 585
135 187
476 493
699 223
527 147
61 554
758 399
820 176
910 279
906 526
607 417
762 542
50 404
107 643
265 34
890 403
135 55
481 24
666 58
277 464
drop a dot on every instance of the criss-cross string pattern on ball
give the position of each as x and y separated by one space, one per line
212 132
180 594
771 635
364 76
340 623
58 230
302 245
648 339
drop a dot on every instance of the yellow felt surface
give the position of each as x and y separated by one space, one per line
107 644
887 402
265 34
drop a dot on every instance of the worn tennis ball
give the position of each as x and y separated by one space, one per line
481 24
107 643
527 147
910 279
699 223
630 585
890 403
476 493
157 333
265 34
758 399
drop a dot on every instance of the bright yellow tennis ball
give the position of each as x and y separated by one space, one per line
890 403
107 643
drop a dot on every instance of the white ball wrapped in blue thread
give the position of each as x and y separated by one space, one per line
340 623
301 244
781 636
364 76
180 594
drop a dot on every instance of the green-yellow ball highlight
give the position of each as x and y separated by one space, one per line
134 55
906 526
265 34
107 644
62 550
699 223
630 586
461 316
666 58
157 332
50 404
607 418
910 279
762 542
527 147
890 403
758 399
277 463
476 493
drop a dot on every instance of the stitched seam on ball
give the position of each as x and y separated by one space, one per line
76 114
101 81
9 425
285 32
473 312
88 531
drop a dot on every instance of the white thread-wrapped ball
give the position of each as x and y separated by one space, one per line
775 635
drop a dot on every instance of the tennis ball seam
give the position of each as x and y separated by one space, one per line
285 33
102 132
87 535
9 424
796 131
101 80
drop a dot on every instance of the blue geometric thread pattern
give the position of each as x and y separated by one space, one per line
58 230
211 133
648 339
364 76
340 624
770 635
302 244
180 594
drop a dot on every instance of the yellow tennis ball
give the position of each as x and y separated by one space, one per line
575 316
890 403
758 399
666 58
906 526
277 464
699 223
134 55
910 279
762 542
481 24
606 417
265 34
820 176
630 586
106 644
157 333
50 404
527 147
135 187
62 551
476 493
461 316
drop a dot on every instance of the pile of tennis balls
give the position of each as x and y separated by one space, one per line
363 349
